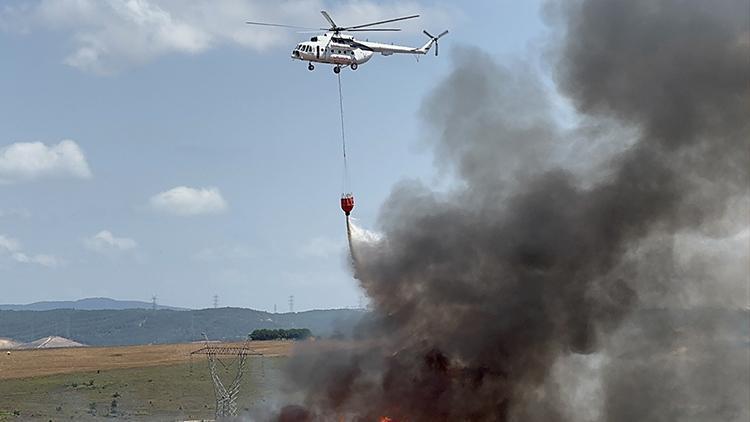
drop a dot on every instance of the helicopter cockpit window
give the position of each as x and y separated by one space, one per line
313 39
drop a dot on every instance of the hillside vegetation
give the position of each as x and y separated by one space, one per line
140 326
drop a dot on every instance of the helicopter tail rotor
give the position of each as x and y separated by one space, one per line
434 40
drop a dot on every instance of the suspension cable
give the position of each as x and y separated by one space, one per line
343 135
347 201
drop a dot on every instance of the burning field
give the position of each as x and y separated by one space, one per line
592 267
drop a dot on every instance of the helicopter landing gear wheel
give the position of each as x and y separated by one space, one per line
310 67
354 66
336 69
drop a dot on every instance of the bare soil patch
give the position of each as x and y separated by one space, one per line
40 362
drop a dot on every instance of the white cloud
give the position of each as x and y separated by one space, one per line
110 34
105 242
186 201
8 245
31 160
11 248
40 259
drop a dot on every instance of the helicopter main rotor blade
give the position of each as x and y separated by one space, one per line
281 26
381 22
328 18
442 33
372 29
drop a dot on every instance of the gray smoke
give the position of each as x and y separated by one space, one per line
564 248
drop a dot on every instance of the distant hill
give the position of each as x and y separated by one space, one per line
142 326
6 343
88 304
49 342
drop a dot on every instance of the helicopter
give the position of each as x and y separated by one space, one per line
343 50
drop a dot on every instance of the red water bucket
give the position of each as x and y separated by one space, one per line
347 203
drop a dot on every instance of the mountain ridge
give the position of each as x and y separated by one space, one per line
146 326
88 304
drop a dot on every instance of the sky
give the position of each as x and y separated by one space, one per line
162 147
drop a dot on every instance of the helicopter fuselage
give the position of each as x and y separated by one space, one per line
340 49
343 50
333 53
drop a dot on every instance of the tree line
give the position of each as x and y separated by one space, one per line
280 334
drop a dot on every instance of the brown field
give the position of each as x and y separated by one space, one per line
40 362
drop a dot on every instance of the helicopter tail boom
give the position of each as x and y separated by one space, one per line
425 48
388 49
433 40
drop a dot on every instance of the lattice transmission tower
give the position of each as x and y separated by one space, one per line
226 397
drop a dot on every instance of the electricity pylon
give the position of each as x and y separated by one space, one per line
226 397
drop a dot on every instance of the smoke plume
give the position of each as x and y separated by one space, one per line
566 277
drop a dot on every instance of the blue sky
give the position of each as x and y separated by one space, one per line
200 159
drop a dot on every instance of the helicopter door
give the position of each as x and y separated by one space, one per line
317 51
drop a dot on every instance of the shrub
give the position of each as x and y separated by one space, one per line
280 334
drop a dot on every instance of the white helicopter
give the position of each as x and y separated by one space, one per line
341 50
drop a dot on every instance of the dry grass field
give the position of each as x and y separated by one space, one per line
38 362
155 382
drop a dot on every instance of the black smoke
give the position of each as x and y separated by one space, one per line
560 239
